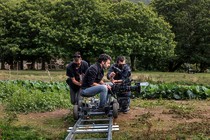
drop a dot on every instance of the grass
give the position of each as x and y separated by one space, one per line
33 75
147 119
153 77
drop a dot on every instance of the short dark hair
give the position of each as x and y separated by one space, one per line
77 54
104 57
120 58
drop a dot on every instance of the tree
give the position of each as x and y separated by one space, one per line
190 23
34 32
7 47
79 26
137 31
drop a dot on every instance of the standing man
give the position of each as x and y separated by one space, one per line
118 76
92 82
75 71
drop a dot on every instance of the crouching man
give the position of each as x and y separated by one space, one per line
92 82
118 77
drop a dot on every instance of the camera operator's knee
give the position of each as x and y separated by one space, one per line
104 88
83 94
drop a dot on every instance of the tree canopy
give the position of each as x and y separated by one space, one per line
190 23
40 30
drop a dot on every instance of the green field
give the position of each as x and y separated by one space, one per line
41 110
155 77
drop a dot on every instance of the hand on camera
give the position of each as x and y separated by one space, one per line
112 75
108 86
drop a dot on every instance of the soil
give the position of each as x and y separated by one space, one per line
168 116
151 119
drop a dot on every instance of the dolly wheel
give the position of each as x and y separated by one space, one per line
115 109
76 112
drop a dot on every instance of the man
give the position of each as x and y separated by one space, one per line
92 82
116 76
75 71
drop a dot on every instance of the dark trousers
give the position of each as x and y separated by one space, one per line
124 100
74 96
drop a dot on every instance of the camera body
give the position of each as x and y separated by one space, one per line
122 92
126 86
125 90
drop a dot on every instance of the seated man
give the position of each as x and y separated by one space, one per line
92 82
75 71
118 77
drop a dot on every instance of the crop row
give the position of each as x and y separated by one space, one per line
39 96
34 96
174 91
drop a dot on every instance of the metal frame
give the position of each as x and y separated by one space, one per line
81 128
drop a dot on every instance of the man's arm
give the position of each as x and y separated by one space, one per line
95 84
70 74
68 70
92 76
75 81
110 73
85 66
126 72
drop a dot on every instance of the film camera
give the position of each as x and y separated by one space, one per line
126 85
125 90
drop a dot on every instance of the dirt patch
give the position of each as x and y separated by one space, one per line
2 113
167 117
54 114
171 119
163 118
40 118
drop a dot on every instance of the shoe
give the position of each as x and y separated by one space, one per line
106 110
126 110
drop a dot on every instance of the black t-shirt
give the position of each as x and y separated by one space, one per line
94 74
73 71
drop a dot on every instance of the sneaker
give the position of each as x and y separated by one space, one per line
126 110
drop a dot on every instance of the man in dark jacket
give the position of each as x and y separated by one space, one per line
75 71
118 76
92 82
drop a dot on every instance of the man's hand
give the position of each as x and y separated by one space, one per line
116 81
80 83
112 75
108 86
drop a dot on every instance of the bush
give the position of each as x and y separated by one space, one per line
34 96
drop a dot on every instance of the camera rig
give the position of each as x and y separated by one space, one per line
126 86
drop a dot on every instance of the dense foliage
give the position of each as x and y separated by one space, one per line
38 96
34 96
177 92
190 23
40 30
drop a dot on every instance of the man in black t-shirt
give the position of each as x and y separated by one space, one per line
118 77
75 71
93 80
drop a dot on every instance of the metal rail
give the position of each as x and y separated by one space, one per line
84 126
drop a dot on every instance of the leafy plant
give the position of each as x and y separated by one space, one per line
34 96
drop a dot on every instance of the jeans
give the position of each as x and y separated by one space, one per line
92 91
